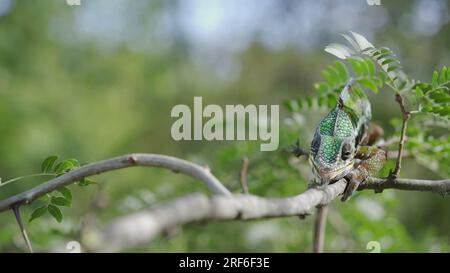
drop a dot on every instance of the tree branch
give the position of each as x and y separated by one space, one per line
378 184
143 226
319 229
125 161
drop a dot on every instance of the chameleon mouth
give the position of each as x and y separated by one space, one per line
332 173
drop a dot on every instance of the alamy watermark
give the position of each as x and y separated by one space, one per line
73 2
236 122
373 2
374 247
73 247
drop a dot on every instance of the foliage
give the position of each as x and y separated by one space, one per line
372 68
61 197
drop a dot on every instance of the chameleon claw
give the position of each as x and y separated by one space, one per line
350 188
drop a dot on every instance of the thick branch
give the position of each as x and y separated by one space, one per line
149 160
143 226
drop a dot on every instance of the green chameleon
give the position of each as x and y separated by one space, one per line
340 148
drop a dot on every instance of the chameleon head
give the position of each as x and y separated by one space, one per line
331 157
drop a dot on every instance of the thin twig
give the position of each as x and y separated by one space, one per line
16 210
406 115
243 175
297 151
319 229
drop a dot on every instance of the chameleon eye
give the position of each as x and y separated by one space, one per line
346 151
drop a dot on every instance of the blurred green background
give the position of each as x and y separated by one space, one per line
99 80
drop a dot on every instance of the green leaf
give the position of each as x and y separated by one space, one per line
74 162
342 71
419 92
87 181
443 77
64 166
378 82
44 197
331 100
47 164
66 193
287 104
357 67
38 213
427 108
309 101
321 101
382 76
440 96
331 75
376 52
382 56
370 66
61 201
369 84
299 102
55 212
321 87
434 81
393 68
388 61
386 50
448 74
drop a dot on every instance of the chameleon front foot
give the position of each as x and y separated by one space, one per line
352 184
372 160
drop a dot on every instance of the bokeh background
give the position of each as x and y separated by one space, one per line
99 80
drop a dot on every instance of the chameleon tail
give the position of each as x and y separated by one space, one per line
345 93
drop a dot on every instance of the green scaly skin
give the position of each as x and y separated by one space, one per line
338 151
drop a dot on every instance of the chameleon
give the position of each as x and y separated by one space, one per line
339 148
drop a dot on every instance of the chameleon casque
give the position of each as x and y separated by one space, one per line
340 148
